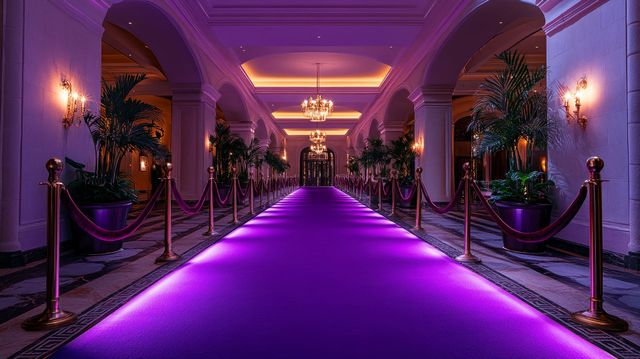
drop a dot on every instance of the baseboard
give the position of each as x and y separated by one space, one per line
21 258
617 259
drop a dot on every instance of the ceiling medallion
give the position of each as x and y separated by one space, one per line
317 109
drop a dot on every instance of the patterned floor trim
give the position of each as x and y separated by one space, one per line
55 339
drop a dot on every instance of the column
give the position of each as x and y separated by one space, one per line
390 133
434 128
193 119
633 129
11 133
245 130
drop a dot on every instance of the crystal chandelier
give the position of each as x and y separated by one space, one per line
318 148
317 136
317 109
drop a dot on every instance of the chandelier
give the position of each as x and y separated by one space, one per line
317 109
318 148
317 136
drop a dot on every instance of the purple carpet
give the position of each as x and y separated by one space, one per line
318 275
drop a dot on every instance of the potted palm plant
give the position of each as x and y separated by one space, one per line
124 125
510 114
227 151
403 158
375 157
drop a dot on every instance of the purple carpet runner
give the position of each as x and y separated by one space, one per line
320 276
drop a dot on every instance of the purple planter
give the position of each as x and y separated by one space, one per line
525 218
406 190
108 216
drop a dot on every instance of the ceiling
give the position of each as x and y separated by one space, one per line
278 44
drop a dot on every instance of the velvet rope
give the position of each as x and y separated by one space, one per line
540 235
109 235
242 194
184 206
411 193
221 203
449 206
385 194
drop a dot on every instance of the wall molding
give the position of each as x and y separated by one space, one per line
569 16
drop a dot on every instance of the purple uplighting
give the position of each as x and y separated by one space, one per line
319 275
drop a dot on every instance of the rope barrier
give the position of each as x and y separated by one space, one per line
108 235
184 206
449 206
540 235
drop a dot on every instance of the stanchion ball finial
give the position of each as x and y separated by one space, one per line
595 164
54 167
466 167
419 170
210 169
169 166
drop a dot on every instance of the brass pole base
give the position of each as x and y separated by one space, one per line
49 320
167 257
209 233
601 320
468 258
417 228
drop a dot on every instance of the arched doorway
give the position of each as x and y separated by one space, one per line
317 169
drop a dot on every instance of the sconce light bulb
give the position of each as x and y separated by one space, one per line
83 99
74 95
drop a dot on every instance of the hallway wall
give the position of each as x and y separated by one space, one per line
601 57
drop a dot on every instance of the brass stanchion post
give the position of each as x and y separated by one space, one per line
394 182
261 182
251 206
380 194
596 316
267 186
168 255
418 226
234 193
210 231
52 316
467 257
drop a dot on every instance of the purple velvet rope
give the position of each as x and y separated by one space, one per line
411 193
221 203
540 235
189 210
385 194
242 194
449 206
109 235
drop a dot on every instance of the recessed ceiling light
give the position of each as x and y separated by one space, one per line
242 47
500 22
130 55
244 50
391 46
130 23
317 37
146 46
537 47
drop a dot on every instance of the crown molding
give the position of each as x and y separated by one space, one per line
89 14
568 16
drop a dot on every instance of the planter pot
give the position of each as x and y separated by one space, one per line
406 190
108 216
525 218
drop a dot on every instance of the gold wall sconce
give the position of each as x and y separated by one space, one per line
417 148
75 105
576 97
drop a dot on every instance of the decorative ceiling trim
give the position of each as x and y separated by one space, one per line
88 13
570 15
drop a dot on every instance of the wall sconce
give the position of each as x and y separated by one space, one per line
75 103
144 163
417 148
577 98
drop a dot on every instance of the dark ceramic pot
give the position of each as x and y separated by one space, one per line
406 190
525 218
108 216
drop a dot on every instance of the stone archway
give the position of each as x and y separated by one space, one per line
398 112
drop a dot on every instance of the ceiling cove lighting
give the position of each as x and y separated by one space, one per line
290 115
305 132
317 109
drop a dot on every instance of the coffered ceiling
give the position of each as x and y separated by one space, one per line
358 44
277 43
